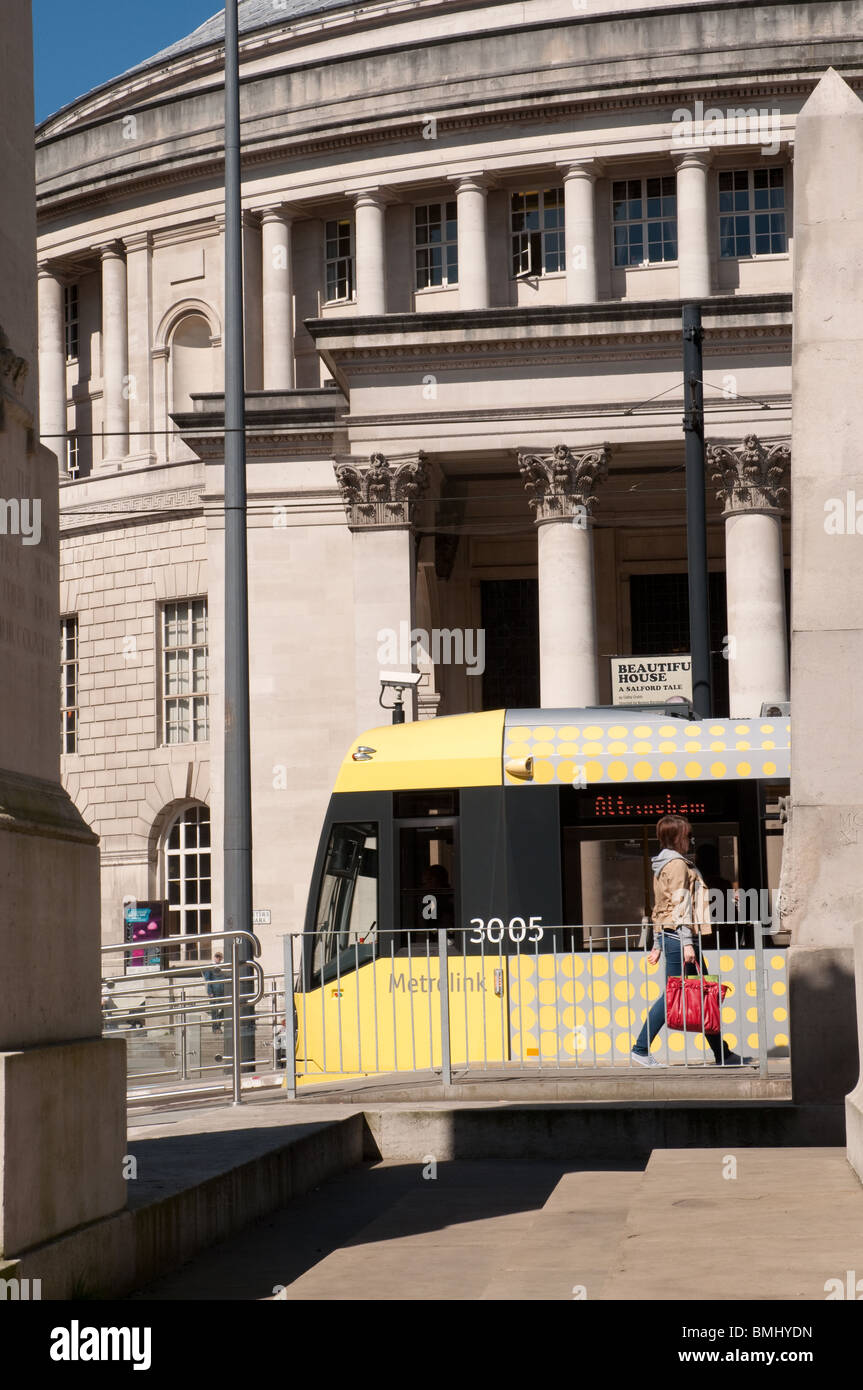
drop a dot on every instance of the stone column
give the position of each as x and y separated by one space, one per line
62 1085
820 885
370 217
693 238
380 499
562 490
139 283
579 184
750 478
561 485
471 195
277 296
52 365
115 352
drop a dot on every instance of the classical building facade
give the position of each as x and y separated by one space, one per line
468 234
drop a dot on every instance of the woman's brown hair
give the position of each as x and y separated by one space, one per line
674 832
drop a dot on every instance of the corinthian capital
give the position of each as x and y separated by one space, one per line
382 493
750 475
562 484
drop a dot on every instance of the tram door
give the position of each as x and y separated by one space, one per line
427 882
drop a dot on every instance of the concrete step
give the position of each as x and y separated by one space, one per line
710 1083
755 1225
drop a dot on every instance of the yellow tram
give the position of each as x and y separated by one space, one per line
516 843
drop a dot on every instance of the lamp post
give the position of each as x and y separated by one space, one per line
237 761
696 519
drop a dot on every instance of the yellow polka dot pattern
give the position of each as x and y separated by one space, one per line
587 1008
652 750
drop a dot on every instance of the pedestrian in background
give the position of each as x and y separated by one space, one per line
681 916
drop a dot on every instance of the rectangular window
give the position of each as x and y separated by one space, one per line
436 243
538 235
186 715
340 260
73 464
69 684
70 317
644 216
752 213
659 613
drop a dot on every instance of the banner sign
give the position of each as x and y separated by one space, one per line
648 680
141 922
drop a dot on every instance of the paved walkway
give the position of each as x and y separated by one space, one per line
758 1224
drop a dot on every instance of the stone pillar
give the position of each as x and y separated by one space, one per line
370 217
750 478
115 353
820 885
52 366
139 282
379 500
62 1086
562 490
561 485
579 185
471 195
693 236
277 296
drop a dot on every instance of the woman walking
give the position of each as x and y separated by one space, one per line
681 914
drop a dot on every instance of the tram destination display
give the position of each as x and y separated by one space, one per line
644 806
648 680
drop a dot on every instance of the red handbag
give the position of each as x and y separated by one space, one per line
692 1004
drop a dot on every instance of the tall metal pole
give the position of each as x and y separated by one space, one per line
696 518
237 771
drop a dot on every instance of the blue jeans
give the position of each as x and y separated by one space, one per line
655 1021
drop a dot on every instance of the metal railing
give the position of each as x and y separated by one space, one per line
185 1015
498 996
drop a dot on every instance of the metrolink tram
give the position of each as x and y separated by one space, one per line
518 843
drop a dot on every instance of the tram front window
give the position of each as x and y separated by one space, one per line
347 911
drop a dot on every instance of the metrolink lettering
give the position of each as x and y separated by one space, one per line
422 984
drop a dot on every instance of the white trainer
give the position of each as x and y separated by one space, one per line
644 1061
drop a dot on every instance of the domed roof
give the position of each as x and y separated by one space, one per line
253 14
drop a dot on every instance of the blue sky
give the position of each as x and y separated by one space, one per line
80 43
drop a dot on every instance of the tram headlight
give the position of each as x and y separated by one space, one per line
522 768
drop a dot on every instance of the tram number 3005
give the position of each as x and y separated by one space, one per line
518 930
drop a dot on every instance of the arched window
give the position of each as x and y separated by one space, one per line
192 361
187 878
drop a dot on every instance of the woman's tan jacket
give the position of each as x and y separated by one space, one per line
681 899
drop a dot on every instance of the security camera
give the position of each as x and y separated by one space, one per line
399 680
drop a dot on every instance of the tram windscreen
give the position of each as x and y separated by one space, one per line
347 910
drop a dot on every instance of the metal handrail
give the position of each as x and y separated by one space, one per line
236 995
181 940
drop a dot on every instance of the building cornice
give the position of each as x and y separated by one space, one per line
168 171
92 515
